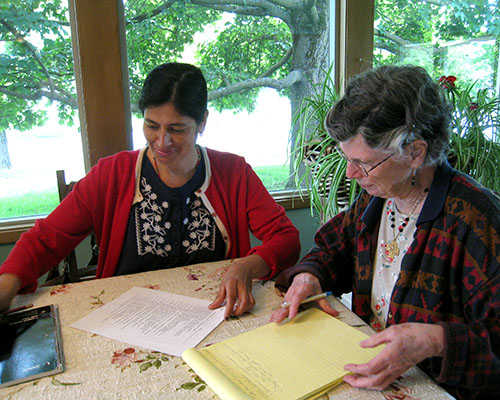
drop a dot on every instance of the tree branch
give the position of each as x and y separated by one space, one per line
258 8
30 48
289 4
384 46
439 3
397 39
156 11
312 11
307 6
39 94
278 65
404 43
277 84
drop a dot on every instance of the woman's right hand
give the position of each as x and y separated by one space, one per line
304 285
9 286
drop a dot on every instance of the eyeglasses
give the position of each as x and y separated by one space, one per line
366 168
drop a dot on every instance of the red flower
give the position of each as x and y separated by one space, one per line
61 289
473 106
447 82
154 287
123 358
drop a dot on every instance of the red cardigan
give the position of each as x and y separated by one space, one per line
102 201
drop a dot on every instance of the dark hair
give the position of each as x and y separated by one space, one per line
183 85
390 107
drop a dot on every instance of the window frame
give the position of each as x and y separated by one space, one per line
101 72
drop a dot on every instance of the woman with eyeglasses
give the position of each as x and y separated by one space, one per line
420 247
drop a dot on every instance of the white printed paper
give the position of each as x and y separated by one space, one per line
161 321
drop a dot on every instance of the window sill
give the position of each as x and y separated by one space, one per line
11 229
291 199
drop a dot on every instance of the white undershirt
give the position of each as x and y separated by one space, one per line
386 268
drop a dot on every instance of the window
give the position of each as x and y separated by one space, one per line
250 60
276 73
460 38
38 108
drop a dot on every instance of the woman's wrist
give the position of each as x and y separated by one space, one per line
9 286
257 265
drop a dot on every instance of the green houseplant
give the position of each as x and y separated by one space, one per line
475 140
474 144
316 164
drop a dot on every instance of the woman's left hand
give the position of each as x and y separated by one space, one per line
236 285
405 346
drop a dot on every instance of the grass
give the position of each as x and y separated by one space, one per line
274 177
31 203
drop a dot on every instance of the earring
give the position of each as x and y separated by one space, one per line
414 178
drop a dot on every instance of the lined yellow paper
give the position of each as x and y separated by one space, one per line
300 359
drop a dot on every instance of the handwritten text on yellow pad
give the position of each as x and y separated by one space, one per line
300 359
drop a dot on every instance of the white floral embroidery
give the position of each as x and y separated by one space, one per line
150 232
201 229
152 227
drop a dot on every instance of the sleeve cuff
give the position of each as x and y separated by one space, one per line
455 353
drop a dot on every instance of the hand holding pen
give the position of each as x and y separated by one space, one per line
305 288
286 304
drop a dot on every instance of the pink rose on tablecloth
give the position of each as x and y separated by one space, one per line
124 358
61 289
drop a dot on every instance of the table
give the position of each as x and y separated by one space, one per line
102 368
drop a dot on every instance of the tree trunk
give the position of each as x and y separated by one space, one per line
311 57
4 152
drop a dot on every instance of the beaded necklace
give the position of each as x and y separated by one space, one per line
392 249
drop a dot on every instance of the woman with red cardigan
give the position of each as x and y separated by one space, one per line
170 204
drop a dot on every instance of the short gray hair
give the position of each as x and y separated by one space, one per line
391 106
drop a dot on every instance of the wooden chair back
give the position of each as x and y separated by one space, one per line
69 270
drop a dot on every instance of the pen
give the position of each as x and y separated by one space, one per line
18 308
286 304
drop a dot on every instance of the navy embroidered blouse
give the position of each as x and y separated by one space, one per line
171 227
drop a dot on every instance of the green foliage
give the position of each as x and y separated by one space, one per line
324 173
157 34
36 57
35 63
428 34
475 139
244 49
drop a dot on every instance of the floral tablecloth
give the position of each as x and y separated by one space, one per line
102 368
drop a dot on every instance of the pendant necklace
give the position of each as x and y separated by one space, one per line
392 249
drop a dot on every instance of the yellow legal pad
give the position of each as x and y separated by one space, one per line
300 359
